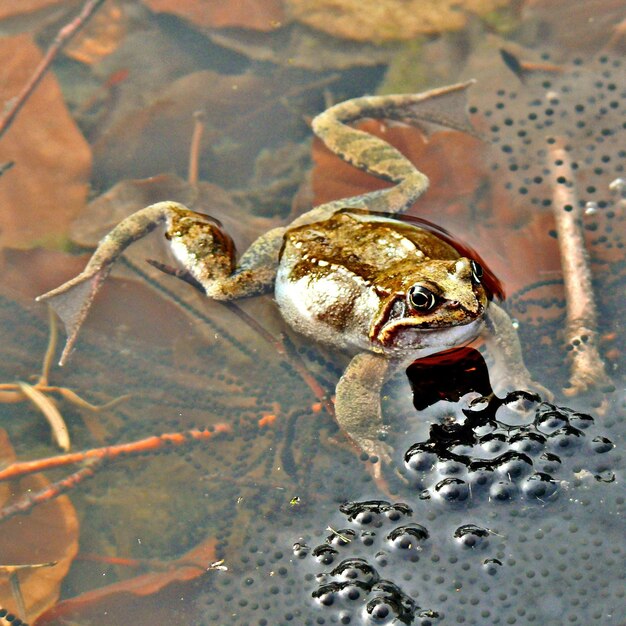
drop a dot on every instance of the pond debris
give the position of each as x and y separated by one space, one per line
93 460
387 20
560 139
12 571
581 323
148 595
108 453
62 38
37 393
8 619
37 549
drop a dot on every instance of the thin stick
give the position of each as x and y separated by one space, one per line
284 351
194 150
51 349
289 355
61 39
587 368
108 453
53 490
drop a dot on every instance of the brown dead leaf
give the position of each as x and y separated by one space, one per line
143 597
387 20
101 37
254 14
48 533
48 185
590 25
452 160
299 46
128 196
10 8
244 113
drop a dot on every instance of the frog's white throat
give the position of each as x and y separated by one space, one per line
424 341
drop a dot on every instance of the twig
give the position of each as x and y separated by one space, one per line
37 394
108 453
194 150
61 39
53 490
285 351
281 346
587 368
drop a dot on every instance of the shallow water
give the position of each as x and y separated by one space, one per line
501 512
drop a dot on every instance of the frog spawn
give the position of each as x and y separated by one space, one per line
355 590
322 563
582 109
545 560
506 449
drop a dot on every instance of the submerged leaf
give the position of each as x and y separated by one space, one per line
138 596
12 9
47 187
48 533
387 20
244 114
254 14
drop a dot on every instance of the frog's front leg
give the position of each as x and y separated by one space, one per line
198 242
357 403
504 345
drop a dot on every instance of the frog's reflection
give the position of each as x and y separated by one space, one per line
448 376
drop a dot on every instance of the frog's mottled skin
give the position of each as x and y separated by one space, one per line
383 290
345 281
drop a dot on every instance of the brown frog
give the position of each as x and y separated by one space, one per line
345 273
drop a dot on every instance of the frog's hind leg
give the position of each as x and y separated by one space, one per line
439 108
206 252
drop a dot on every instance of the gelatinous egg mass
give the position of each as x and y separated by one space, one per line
516 448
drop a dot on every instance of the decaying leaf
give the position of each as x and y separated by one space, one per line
47 187
47 534
102 35
387 20
299 46
254 14
451 160
244 113
8 8
590 25
140 596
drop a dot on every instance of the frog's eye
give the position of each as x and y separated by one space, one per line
421 298
477 271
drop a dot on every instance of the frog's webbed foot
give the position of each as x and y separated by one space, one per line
200 244
503 343
357 404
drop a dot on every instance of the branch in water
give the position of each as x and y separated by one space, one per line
587 368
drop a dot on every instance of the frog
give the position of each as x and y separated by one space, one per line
348 273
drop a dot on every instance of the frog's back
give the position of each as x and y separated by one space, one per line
333 274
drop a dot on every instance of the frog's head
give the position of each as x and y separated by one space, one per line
430 304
